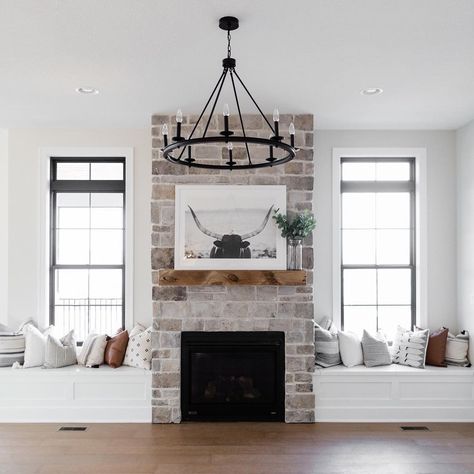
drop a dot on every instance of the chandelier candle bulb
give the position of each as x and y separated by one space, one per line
291 130
226 113
164 131
179 120
276 119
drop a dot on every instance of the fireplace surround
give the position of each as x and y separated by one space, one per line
233 376
221 308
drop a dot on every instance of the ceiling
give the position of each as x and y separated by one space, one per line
152 56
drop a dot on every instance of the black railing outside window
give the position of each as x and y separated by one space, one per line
378 273
87 245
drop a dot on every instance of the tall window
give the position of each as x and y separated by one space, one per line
378 243
87 235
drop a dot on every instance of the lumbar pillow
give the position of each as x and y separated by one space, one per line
410 347
60 352
326 344
436 352
12 347
139 348
350 348
457 349
115 349
375 350
35 345
93 350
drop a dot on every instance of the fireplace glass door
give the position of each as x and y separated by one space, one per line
233 376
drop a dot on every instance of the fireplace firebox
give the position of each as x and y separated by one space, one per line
233 376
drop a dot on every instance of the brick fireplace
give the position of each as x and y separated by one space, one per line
231 308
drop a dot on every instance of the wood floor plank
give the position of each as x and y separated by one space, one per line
237 448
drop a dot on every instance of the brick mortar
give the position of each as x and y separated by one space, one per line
246 308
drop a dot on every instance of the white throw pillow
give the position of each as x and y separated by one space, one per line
92 351
457 349
35 345
350 348
60 352
409 347
139 348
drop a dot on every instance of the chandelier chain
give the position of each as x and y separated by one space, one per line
229 49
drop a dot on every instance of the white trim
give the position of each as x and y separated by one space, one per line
83 152
75 394
394 393
421 222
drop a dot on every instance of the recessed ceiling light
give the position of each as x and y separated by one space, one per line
87 90
371 91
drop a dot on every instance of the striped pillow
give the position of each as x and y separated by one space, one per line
60 352
410 347
326 344
457 348
375 350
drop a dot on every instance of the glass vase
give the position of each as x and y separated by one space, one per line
295 254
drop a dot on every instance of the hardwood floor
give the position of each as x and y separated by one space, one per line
238 448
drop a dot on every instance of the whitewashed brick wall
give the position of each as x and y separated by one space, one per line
238 308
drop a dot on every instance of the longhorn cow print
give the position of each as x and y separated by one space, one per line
230 245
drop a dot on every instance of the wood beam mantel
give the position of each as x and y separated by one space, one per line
232 277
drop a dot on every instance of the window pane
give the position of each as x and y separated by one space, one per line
72 210
392 171
358 246
393 247
106 247
358 171
107 211
107 171
88 301
359 287
357 318
106 284
389 317
394 286
358 210
72 246
393 210
72 171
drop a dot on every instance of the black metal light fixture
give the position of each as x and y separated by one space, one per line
180 150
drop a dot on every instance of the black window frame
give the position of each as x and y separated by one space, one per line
382 186
83 186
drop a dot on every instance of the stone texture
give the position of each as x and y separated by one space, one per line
239 308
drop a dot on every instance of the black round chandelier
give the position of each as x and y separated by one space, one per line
180 150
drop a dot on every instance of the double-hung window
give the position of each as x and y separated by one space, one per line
378 275
87 236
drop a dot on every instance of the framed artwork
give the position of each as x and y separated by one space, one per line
225 227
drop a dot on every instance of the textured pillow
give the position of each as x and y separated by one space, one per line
115 349
35 345
326 344
7 360
457 349
375 350
436 352
60 352
350 349
409 347
139 348
93 350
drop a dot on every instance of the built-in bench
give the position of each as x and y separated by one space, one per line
394 393
75 394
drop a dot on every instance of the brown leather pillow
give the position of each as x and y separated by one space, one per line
437 348
115 349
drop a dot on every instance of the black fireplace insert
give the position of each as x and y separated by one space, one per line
233 376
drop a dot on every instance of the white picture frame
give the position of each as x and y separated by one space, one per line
211 239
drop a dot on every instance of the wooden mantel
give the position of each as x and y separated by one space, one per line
232 277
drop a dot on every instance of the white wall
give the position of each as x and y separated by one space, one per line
3 226
441 203
465 201
23 219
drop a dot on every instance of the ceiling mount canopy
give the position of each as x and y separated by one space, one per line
259 152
